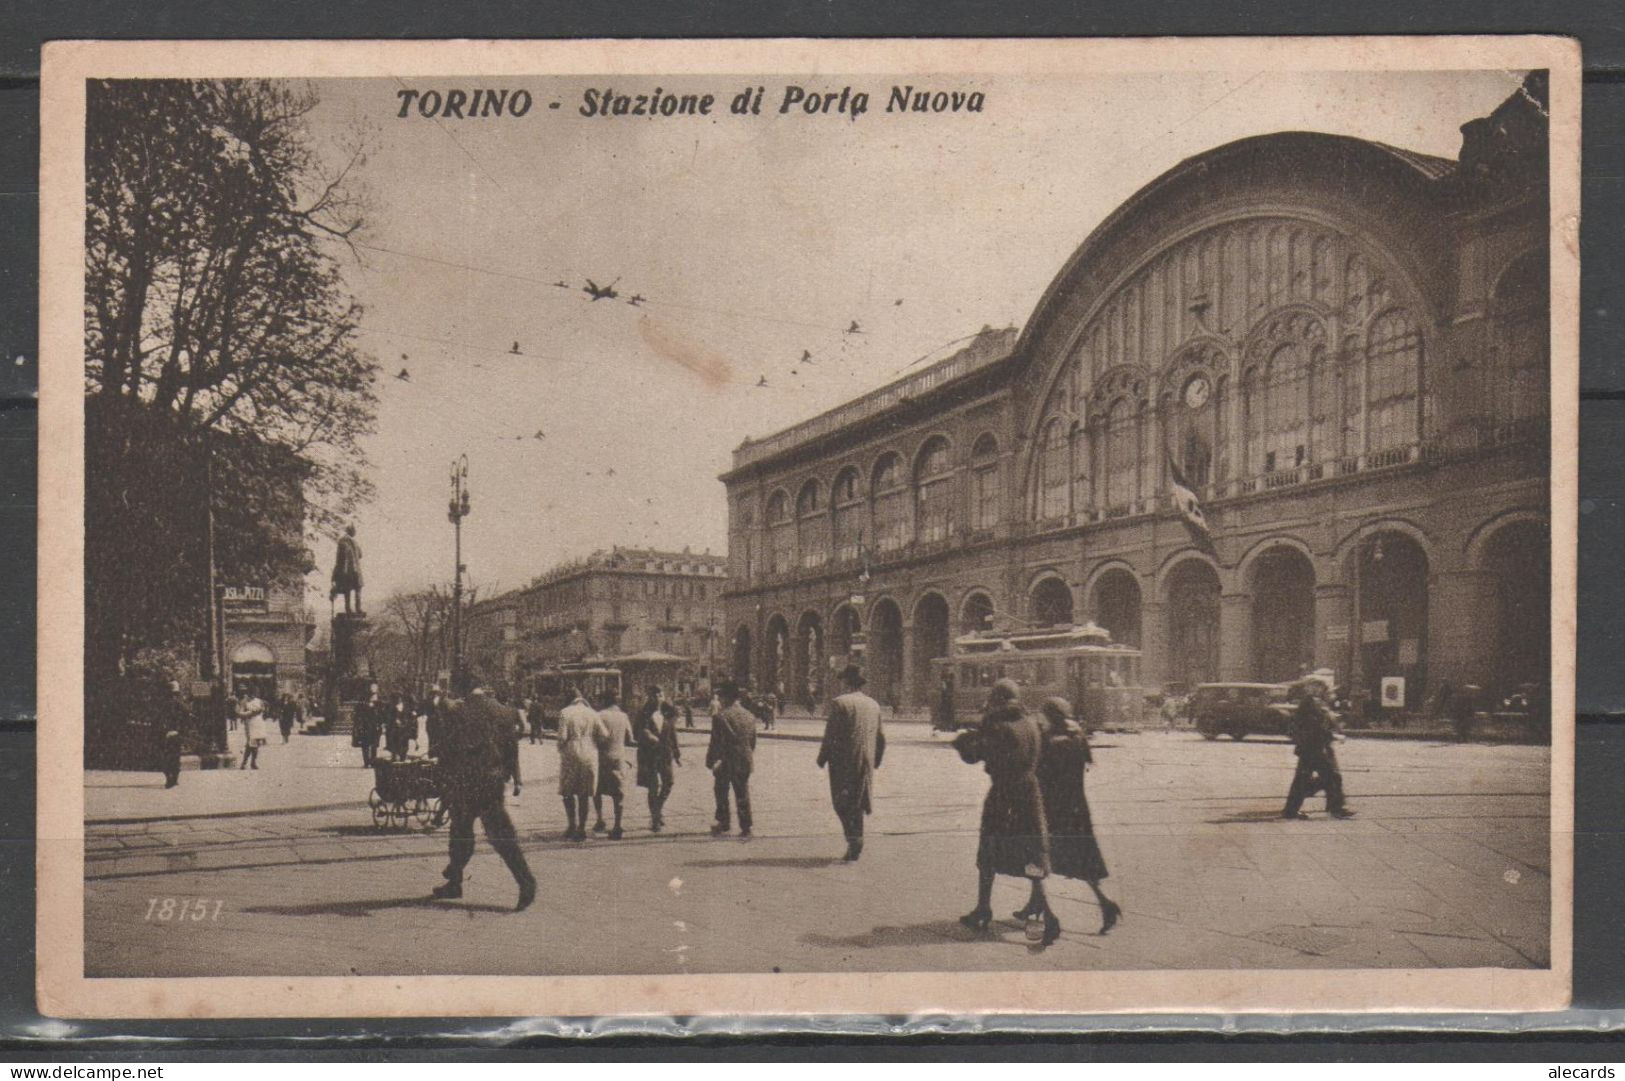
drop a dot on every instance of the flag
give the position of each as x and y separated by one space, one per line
1190 508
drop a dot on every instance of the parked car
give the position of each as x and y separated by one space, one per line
1239 710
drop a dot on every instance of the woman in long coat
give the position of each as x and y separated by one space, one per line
1073 850
1015 835
654 732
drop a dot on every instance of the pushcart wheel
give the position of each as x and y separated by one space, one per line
422 812
401 815
380 810
439 814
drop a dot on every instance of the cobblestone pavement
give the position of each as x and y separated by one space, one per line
1446 865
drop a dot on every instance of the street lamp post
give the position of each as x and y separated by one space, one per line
458 510
711 652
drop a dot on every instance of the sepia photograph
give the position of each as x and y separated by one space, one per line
730 527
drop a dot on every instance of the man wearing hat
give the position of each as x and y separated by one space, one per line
730 757
853 746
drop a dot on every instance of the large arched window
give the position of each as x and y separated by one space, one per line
1121 438
781 528
889 488
933 492
812 527
846 502
1288 412
1519 369
1054 471
1393 365
986 491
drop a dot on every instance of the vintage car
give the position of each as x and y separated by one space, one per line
1239 710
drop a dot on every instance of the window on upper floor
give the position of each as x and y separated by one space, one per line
890 499
986 490
933 492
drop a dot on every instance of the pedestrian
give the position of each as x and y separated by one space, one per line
688 714
1312 736
533 718
854 743
232 701
366 726
945 719
435 710
1014 833
284 716
399 725
658 752
170 752
770 710
251 711
471 777
579 731
730 757
1074 851
612 767
511 735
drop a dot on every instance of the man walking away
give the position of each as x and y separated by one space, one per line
579 732
435 720
170 752
1317 760
854 743
471 775
615 738
658 753
729 758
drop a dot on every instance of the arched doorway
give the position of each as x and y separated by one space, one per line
931 632
844 632
1117 606
808 684
253 671
1051 602
741 651
976 614
1193 624
1392 599
1283 587
776 659
1518 560
886 652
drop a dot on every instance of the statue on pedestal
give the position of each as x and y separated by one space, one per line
347 571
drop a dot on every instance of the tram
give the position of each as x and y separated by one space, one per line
551 687
1078 662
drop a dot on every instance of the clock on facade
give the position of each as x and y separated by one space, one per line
1197 392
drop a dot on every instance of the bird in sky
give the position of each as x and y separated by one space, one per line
806 356
898 303
853 329
762 382
610 472
404 376
600 292
539 434
637 300
561 284
515 350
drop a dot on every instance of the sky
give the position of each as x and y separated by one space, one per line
754 239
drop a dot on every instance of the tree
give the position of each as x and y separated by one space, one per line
220 349
412 644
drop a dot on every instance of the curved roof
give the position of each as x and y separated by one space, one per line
1397 166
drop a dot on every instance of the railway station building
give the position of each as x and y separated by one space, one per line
1340 346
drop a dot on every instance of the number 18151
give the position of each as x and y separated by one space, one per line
183 910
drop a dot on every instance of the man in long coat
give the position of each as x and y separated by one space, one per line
854 743
730 757
471 775
1317 759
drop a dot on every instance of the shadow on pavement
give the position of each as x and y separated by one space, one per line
931 933
368 907
1244 817
799 863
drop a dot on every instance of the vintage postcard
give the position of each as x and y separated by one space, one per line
791 527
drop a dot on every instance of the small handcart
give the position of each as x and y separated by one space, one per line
406 792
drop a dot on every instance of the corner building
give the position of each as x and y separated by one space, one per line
1342 345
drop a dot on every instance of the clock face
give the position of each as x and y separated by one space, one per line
1197 392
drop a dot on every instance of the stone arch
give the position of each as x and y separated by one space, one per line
932 638
1348 547
1280 579
845 630
1244 566
1514 560
1114 603
1481 534
885 651
776 651
976 611
807 667
1191 588
1390 569
1050 600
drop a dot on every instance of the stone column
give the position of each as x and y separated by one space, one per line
1235 637
905 679
1153 642
1334 630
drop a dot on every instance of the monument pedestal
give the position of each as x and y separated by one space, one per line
346 681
